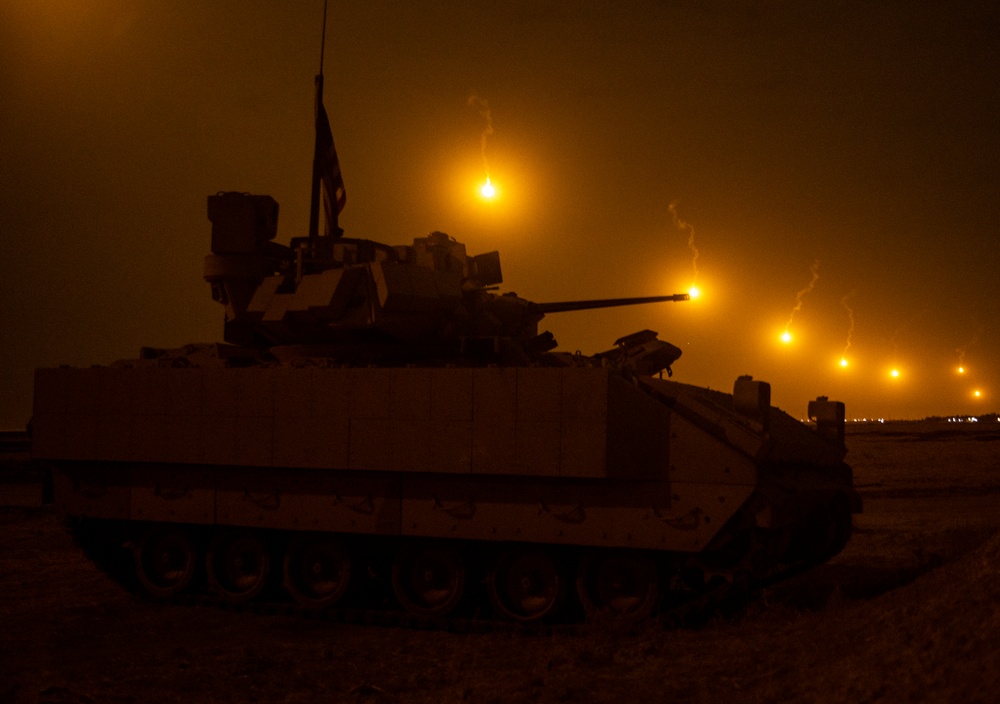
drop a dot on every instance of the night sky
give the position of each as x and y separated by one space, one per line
862 136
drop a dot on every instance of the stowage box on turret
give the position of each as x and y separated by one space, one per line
383 425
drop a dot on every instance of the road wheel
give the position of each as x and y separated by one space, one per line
526 585
429 578
239 565
317 570
622 588
165 561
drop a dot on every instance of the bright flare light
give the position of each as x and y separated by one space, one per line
488 190
961 370
786 337
894 373
977 393
694 292
843 361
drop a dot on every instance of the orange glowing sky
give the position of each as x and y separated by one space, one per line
863 138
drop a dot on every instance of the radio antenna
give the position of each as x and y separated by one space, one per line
322 41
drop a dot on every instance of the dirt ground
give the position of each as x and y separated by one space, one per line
910 611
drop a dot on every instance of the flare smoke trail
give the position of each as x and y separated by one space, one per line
961 350
484 111
814 270
850 318
684 226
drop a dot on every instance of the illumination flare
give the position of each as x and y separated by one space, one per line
484 111
961 350
814 270
895 335
850 327
488 190
685 226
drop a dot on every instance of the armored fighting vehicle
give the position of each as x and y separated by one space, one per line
383 430
383 426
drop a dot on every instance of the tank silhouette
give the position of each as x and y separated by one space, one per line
382 426
383 430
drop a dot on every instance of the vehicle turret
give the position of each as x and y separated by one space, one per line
360 300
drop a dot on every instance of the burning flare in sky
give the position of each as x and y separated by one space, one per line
850 327
684 226
961 350
488 190
786 336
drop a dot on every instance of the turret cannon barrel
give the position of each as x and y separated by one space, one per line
566 306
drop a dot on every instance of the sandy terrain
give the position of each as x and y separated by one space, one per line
910 611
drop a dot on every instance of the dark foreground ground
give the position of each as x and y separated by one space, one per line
910 611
